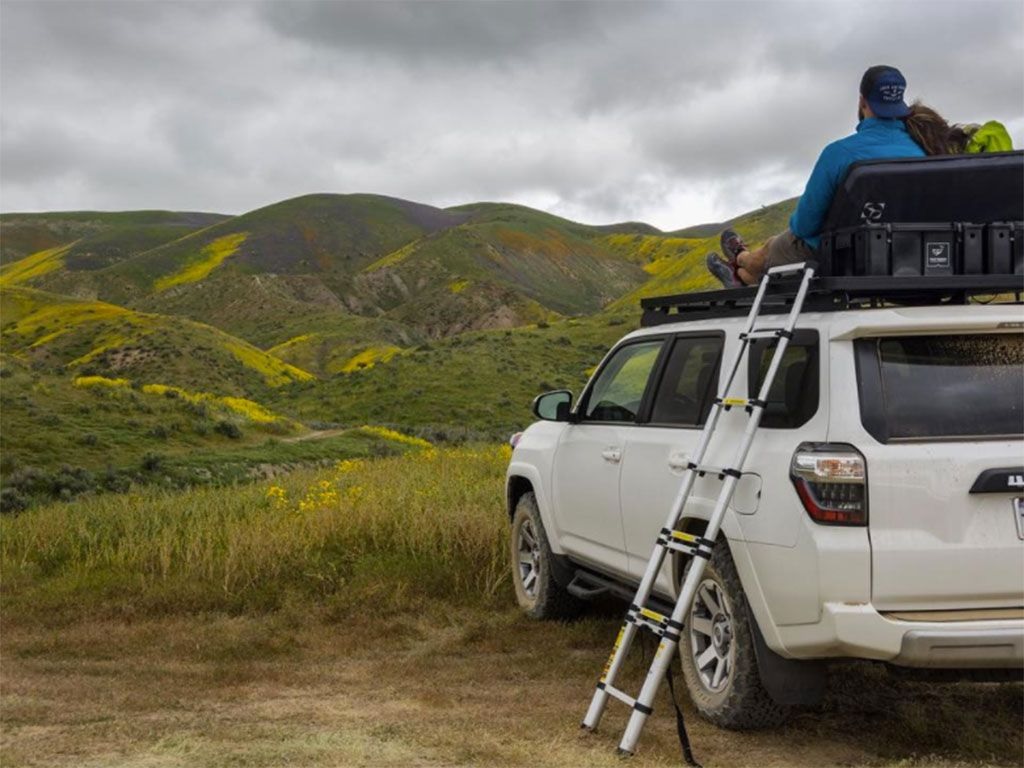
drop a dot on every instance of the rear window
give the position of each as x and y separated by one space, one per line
929 387
793 397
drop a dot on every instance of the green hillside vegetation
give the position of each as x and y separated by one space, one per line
75 337
64 437
313 260
686 272
102 238
309 317
484 381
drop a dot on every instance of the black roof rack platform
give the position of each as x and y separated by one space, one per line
829 294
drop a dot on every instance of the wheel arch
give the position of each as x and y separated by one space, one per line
516 487
788 682
523 478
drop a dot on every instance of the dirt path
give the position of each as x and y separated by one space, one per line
318 435
437 691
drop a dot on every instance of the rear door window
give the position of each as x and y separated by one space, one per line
618 392
793 398
934 387
689 384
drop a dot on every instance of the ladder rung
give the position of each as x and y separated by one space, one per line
785 269
687 543
625 698
704 469
748 404
658 623
767 333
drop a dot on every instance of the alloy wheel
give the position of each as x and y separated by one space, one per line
711 636
528 551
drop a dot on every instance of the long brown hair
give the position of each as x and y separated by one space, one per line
934 135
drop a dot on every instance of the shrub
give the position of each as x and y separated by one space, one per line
12 500
152 462
229 429
89 439
160 432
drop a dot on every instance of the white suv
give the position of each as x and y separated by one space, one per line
879 515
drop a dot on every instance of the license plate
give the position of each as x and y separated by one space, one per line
1018 516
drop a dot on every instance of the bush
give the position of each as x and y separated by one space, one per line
159 432
151 462
89 439
229 429
12 500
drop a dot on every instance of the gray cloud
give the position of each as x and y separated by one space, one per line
673 113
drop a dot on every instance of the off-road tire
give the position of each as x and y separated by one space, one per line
549 600
743 704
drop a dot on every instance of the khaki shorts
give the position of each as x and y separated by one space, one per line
786 248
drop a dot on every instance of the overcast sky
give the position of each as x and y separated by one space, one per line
670 113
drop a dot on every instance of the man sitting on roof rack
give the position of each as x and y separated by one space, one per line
881 133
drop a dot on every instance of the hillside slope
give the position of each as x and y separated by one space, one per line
73 337
100 238
316 261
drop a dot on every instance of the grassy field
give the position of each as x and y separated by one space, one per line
362 615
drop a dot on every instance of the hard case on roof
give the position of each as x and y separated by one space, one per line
942 216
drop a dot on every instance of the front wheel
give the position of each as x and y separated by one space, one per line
717 649
537 591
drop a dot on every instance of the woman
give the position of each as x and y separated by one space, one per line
937 137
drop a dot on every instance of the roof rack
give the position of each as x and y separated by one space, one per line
830 294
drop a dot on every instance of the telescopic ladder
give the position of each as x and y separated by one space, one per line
639 616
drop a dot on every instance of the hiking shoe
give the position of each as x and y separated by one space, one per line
732 245
723 270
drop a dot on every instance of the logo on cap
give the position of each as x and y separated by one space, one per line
891 93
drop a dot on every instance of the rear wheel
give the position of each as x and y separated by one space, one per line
717 650
537 591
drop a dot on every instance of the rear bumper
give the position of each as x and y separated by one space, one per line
986 648
859 631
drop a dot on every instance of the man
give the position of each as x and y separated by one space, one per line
881 133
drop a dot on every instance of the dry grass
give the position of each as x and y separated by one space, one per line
446 687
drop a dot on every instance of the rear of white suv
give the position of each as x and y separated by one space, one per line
938 417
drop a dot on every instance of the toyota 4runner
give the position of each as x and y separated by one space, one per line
880 513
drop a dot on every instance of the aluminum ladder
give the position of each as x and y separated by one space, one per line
639 616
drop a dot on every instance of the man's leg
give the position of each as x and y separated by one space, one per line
752 263
784 248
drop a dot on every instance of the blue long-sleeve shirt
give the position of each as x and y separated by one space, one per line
875 139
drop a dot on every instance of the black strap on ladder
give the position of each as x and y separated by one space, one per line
684 738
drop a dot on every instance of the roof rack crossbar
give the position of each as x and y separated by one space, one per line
829 294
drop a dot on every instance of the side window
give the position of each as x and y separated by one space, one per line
793 397
619 389
689 384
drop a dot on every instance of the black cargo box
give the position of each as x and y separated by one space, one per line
952 215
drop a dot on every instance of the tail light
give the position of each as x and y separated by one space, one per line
831 481
514 440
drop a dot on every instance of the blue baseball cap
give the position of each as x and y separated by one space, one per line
883 87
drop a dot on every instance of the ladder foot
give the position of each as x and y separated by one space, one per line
623 752
587 728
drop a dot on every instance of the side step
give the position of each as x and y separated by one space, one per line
587 585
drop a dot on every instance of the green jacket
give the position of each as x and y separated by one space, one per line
990 137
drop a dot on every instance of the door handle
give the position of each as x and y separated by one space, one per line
678 461
614 455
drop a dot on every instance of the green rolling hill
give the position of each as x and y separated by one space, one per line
96 239
151 331
69 336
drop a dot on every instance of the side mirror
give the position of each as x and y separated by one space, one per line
554 406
